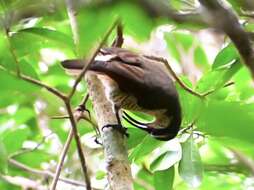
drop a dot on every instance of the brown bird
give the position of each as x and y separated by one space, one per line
138 83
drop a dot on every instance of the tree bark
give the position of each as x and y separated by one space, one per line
116 157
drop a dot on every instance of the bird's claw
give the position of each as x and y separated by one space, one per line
82 108
118 127
97 141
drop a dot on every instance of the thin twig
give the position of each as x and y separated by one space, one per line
43 173
213 90
181 83
56 176
82 73
73 22
49 88
81 117
18 153
79 145
178 80
247 162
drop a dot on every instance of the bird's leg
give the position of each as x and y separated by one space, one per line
117 126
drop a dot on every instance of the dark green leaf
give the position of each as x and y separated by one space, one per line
190 166
163 180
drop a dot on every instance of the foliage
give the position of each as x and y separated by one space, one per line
200 157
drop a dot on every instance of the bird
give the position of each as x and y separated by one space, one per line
137 83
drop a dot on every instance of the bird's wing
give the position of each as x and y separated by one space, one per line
123 55
121 72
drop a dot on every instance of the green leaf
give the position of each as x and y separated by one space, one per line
184 39
92 25
163 180
145 147
35 158
27 69
136 24
13 139
228 119
229 73
100 175
50 34
23 115
32 40
190 166
225 57
3 158
168 158
14 84
200 58
216 79
172 48
136 137
6 58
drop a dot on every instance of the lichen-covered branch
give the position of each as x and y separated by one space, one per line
118 168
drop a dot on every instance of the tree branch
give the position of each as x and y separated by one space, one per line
222 18
118 169
160 9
